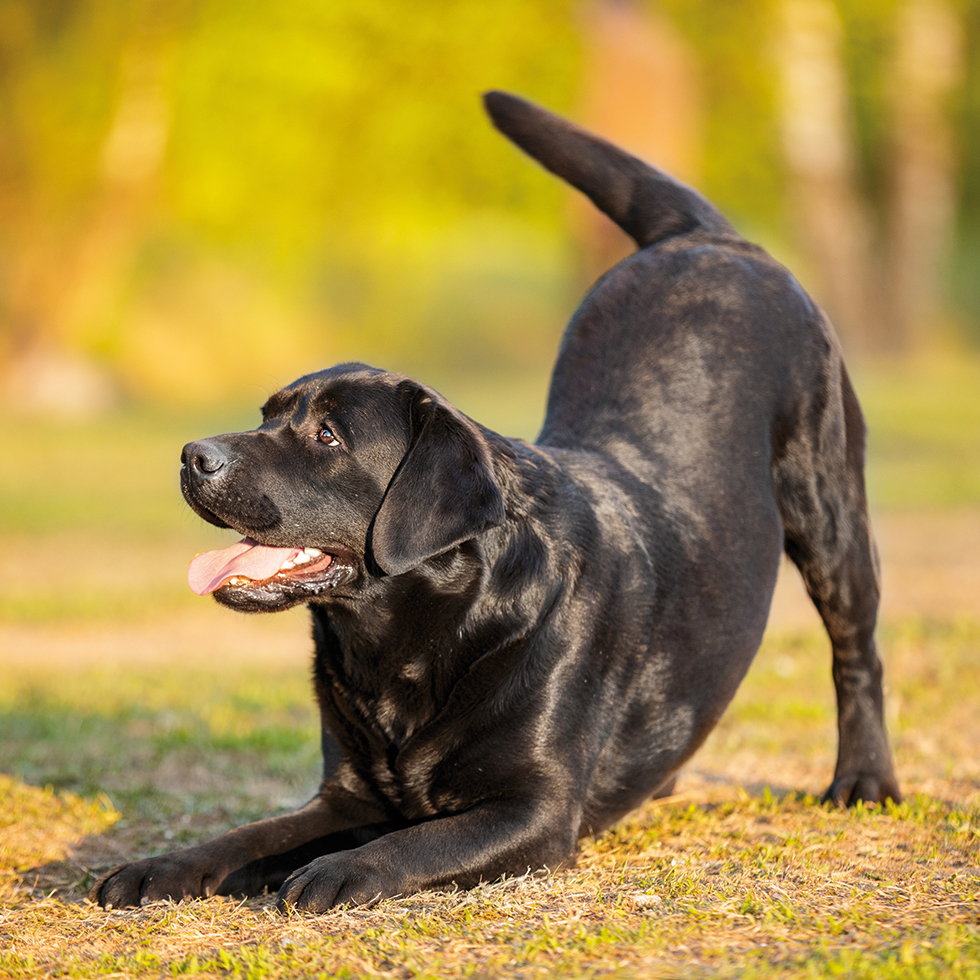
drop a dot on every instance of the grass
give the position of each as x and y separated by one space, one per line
742 874
924 432
135 718
751 886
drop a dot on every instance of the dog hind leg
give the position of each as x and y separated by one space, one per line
818 476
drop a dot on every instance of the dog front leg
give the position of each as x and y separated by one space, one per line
245 859
464 849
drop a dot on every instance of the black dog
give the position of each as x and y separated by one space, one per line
516 644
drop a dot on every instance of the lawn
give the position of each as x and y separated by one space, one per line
136 717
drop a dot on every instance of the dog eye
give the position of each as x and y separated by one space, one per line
326 436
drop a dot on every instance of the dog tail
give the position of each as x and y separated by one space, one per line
646 203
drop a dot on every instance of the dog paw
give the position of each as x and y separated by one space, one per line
868 787
152 880
332 880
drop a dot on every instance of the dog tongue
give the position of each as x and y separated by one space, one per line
208 572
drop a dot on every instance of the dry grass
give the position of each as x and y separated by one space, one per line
749 885
114 680
38 826
717 881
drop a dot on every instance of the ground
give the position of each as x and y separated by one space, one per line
156 718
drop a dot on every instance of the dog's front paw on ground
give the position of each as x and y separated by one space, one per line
151 880
334 880
866 787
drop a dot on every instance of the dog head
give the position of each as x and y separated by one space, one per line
355 474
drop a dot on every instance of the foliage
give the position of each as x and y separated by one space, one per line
308 157
209 195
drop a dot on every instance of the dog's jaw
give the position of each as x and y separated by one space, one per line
284 590
288 586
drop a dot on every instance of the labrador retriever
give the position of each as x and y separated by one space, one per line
517 644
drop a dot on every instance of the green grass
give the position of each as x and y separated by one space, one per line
155 720
119 476
721 881
759 887
133 732
924 432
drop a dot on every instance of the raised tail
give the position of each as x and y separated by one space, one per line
646 203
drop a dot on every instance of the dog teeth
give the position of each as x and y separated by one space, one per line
306 555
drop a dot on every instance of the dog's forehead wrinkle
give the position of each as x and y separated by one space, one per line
319 403
320 384
280 404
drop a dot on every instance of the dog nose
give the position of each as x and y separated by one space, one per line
204 459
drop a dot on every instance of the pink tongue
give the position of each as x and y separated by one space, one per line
208 572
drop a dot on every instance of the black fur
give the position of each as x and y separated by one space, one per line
516 644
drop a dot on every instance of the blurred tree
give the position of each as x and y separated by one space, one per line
56 90
876 165
207 196
641 88
198 192
341 149
966 259
900 62
819 146
926 69
741 165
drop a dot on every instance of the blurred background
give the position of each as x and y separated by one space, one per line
203 199
200 199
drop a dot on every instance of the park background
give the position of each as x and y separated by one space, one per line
201 200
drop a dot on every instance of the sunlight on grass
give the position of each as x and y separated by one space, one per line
39 825
715 881
120 475
924 432
764 887
116 680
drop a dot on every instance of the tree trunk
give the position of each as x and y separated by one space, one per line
642 91
818 139
928 64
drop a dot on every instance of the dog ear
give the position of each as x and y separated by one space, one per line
442 494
